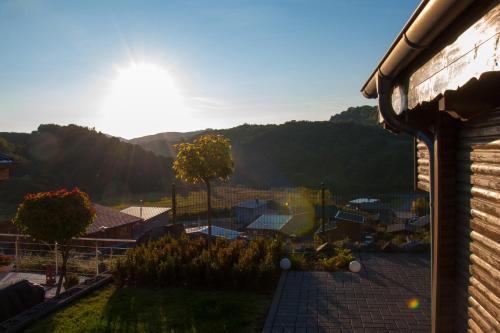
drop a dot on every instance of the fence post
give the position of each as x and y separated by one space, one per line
16 245
57 260
323 215
96 258
174 205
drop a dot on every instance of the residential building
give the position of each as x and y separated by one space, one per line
111 223
272 224
216 232
152 218
5 165
345 225
440 83
245 212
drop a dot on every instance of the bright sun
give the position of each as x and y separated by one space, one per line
143 96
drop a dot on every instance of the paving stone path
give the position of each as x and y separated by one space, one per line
374 300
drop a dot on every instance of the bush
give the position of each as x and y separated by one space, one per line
70 281
299 261
190 262
341 259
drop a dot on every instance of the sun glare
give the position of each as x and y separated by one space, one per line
142 98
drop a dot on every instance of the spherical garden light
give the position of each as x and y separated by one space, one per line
285 264
355 266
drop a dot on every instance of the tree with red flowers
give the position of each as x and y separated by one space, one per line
56 217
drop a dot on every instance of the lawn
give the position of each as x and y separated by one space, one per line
131 309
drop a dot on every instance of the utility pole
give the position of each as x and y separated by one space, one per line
323 207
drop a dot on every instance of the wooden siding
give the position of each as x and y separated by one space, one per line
474 52
478 225
422 167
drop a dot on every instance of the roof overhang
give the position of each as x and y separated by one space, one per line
445 46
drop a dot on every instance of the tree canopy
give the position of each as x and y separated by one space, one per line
55 216
208 158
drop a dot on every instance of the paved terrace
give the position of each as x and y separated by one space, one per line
374 300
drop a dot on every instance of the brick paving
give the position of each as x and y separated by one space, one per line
374 300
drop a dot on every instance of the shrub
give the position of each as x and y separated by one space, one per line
186 261
341 259
299 261
5 260
70 281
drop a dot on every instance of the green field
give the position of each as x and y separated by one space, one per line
130 309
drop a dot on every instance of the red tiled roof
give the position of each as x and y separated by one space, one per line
109 218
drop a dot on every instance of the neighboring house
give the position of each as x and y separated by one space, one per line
110 223
152 218
270 224
440 83
247 211
383 211
345 225
5 165
216 232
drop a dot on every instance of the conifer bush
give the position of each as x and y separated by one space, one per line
190 262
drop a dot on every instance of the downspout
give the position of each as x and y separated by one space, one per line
384 90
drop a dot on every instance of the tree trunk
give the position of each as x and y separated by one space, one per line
62 274
209 211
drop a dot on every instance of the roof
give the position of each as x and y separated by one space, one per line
107 218
429 20
364 200
270 222
350 217
4 159
253 203
145 213
216 231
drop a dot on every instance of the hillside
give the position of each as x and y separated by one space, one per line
348 152
348 156
364 115
66 156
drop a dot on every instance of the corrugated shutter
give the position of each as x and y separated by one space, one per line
423 178
478 214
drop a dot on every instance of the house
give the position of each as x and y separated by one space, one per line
216 232
152 218
383 211
110 223
345 225
439 82
245 212
5 165
272 224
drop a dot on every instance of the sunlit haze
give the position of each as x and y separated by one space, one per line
133 68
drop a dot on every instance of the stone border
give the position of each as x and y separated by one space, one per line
275 303
41 310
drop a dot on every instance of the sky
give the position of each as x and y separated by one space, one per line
133 68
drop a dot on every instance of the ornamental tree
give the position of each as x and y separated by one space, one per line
205 160
56 217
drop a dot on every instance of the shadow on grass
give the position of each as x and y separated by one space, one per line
131 309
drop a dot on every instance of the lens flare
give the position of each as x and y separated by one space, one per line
413 303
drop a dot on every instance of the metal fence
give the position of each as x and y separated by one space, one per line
88 257
300 212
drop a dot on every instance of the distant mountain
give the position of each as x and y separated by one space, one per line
364 115
349 152
162 143
347 155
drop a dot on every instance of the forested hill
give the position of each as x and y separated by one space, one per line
348 156
66 156
364 115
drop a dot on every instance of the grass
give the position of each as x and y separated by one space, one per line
131 309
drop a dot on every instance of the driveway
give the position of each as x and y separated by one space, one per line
390 294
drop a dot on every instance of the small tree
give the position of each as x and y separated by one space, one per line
56 216
205 160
